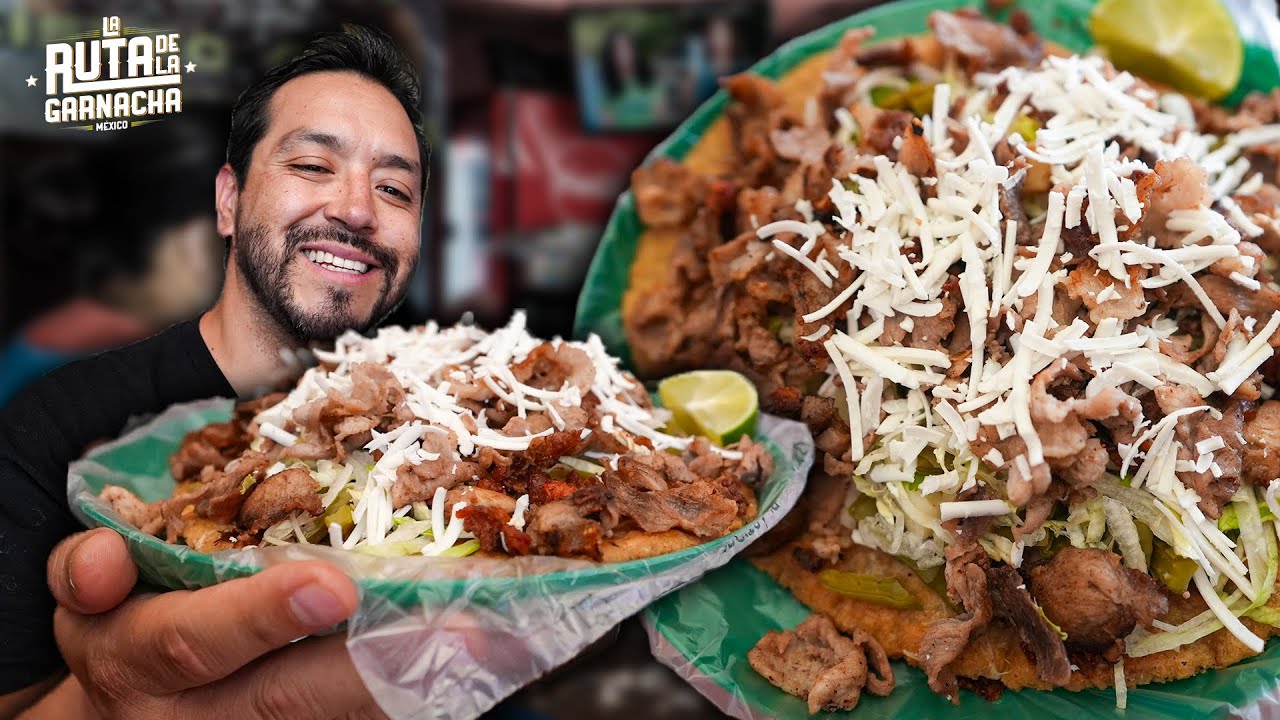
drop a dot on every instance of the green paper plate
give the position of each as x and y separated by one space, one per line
139 461
705 630
689 630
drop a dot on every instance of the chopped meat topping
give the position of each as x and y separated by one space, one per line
145 516
983 44
945 639
695 507
667 194
1094 599
816 663
557 528
277 497
1261 457
966 576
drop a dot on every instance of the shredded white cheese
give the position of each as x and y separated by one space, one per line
904 237
973 508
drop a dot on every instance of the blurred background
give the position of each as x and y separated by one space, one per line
537 111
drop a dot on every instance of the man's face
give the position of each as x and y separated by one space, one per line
326 225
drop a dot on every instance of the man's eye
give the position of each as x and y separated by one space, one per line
308 168
394 191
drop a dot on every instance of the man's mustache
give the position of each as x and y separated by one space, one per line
298 235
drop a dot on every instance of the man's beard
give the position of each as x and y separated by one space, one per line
269 276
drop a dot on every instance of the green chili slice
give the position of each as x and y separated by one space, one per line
877 590
1171 569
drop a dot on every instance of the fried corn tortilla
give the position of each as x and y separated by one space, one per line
638 545
996 653
654 247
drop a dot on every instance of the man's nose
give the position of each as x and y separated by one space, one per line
352 206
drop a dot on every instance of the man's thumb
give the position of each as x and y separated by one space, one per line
91 572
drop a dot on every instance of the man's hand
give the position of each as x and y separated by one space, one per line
216 651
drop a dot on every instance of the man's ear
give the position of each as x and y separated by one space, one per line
226 195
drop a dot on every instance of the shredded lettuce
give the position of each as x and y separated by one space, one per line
408 538
1228 521
1265 614
1259 546
1142 642
1026 126
903 524
402 548
918 510
1095 520
1258 539
1145 507
461 549
1124 532
876 531
998 547
409 530
582 466
1084 525
336 477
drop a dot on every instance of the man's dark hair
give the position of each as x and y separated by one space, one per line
357 49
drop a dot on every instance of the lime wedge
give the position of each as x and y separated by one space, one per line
720 405
1191 45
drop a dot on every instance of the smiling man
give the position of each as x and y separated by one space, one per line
321 204
321 199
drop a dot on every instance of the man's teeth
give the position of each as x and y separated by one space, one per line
333 262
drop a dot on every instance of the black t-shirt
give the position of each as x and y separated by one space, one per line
42 430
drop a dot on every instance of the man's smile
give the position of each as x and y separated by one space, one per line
339 262
329 262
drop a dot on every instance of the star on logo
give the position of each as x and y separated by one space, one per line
31 81
191 67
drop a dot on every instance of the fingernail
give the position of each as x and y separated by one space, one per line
74 559
316 607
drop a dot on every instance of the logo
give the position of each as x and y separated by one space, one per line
113 78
